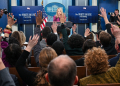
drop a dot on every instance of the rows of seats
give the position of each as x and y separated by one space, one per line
80 74
33 63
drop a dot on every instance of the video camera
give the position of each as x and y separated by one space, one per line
6 12
96 32
111 13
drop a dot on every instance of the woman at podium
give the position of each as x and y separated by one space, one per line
58 14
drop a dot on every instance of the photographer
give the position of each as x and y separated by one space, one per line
114 17
1 13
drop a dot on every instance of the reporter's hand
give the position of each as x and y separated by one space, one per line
1 13
11 20
87 32
62 18
103 12
54 27
32 42
74 27
115 31
39 19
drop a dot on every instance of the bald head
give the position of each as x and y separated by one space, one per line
62 71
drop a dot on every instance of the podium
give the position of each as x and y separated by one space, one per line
67 24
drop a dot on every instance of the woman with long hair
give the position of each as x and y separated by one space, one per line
59 13
45 56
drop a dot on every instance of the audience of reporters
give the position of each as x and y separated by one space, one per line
61 71
96 61
42 57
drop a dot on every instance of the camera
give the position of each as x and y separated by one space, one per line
96 32
5 12
110 13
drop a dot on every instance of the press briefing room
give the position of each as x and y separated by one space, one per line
59 42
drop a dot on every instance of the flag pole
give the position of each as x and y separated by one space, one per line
42 2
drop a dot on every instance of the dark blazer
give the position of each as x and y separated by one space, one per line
5 78
113 61
110 49
15 80
80 62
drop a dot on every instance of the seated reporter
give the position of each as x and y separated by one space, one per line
58 47
88 44
73 45
107 40
62 72
43 57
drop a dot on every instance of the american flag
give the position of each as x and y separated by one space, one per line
45 19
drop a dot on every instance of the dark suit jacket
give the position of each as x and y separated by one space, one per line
5 78
113 61
80 62
110 49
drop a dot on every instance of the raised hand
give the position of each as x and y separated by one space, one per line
11 20
39 19
103 12
115 31
87 32
62 18
74 28
54 27
32 42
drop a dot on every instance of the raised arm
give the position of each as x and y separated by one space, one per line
64 32
108 24
37 47
54 28
26 75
